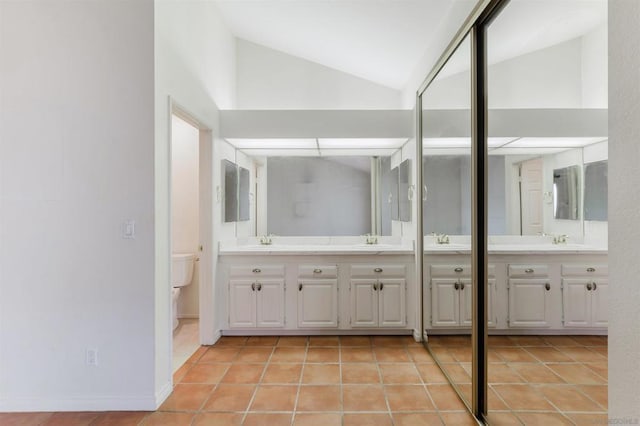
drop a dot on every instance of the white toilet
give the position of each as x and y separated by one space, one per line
181 275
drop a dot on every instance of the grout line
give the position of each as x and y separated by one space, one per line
304 362
255 391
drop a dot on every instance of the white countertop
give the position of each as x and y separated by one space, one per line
517 249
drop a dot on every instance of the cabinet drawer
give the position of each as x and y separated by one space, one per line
528 270
256 271
456 270
317 271
373 271
586 270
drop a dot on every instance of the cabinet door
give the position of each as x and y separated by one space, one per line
392 303
270 303
466 303
445 302
600 303
364 303
318 303
576 302
242 303
529 303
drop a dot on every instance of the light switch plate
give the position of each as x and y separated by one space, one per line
129 229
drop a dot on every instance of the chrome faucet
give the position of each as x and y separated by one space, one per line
442 239
371 239
560 239
266 240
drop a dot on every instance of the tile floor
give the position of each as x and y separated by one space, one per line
535 379
301 381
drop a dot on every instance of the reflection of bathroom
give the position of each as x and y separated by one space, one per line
184 239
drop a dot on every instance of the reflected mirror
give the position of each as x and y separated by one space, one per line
404 197
243 194
595 190
230 196
566 193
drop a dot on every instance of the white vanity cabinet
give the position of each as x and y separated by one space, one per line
318 296
256 297
378 296
529 288
584 295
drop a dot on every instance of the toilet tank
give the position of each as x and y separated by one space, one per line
181 269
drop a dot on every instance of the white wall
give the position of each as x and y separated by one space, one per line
624 199
76 160
594 69
195 67
269 79
185 205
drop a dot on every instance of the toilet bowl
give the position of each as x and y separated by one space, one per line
181 276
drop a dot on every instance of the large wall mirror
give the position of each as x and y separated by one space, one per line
596 180
236 195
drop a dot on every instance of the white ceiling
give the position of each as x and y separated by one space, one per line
383 40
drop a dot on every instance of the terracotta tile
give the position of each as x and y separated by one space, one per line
502 373
282 373
458 419
567 398
254 354
262 341
408 398
355 341
591 340
420 354
598 393
317 419
405 373
529 340
495 341
220 354
319 398
492 356
363 398
600 368
461 353
268 419
457 373
560 341
391 354
180 372
118 418
431 373
356 354
515 355
24 419
243 373
589 419
602 350
543 419
274 398
445 398
495 403
288 354
455 340
582 354
389 340
231 341
465 390
536 373
522 397
548 354
323 355
198 354
160 418
71 419
442 354
218 419
416 419
324 341
205 373
368 419
317 374
503 419
187 397
360 373
293 341
230 398
576 374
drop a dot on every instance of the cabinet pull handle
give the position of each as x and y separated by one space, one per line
381 286
375 287
458 269
253 286
377 270
591 269
547 286
595 286
300 287
589 287
456 286
461 286
256 271
259 286
528 271
317 271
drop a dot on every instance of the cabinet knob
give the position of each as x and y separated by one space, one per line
458 269
547 286
256 271
461 286
259 286
253 286
375 287
528 271
300 287
589 287
595 286
381 286
317 271
456 286
591 269
377 270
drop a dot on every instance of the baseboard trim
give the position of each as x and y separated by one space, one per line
319 332
162 394
81 403
416 335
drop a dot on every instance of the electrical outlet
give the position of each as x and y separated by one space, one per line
92 357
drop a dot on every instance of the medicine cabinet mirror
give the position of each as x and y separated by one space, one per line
595 190
236 184
566 193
